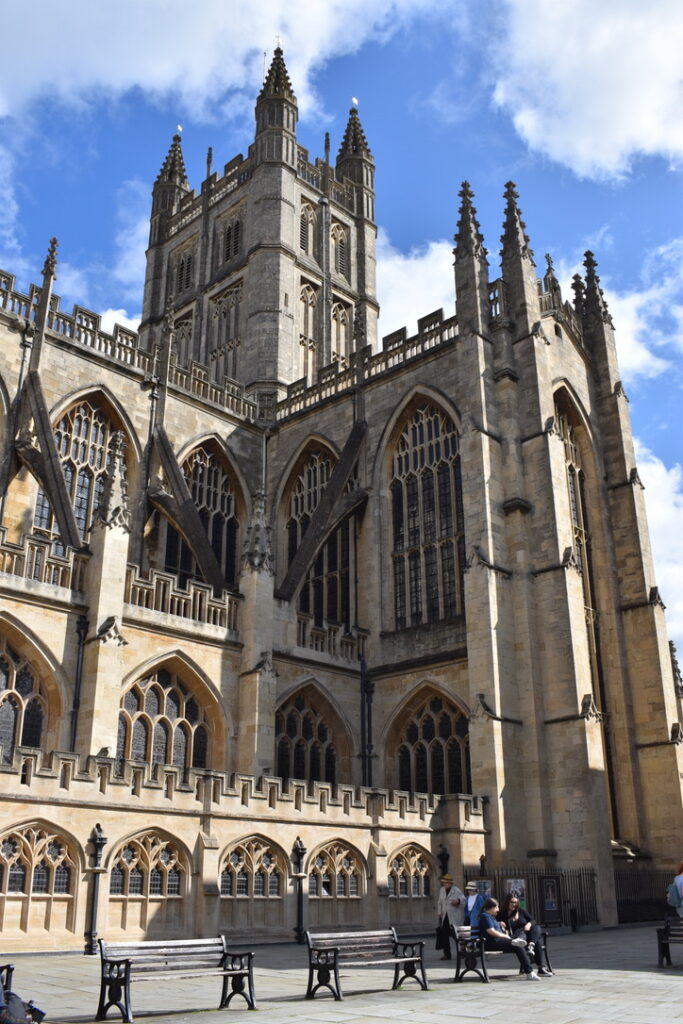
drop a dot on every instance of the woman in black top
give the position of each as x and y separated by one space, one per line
520 924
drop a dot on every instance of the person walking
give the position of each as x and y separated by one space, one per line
450 911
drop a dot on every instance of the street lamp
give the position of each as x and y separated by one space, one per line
298 854
99 841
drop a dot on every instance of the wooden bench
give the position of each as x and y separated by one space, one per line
126 962
471 953
328 951
671 932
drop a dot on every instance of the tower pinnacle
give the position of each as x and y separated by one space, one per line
173 168
354 142
277 81
468 238
514 238
595 306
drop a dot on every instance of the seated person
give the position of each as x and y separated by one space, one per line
497 938
520 924
474 902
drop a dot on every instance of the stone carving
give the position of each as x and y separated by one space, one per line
257 553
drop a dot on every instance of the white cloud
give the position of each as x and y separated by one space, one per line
110 317
170 47
412 285
593 85
664 497
132 236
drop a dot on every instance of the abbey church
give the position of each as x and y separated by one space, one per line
293 617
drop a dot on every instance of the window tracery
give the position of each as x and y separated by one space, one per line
211 485
232 240
184 274
409 874
304 742
83 437
36 861
225 325
309 348
306 228
336 872
433 754
428 542
23 706
253 869
162 722
341 342
148 866
340 249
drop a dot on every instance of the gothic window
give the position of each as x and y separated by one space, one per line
224 328
428 544
184 273
23 707
336 872
232 240
303 742
162 723
306 228
36 863
182 336
307 340
253 869
341 341
83 437
409 874
149 867
340 249
433 754
326 592
211 485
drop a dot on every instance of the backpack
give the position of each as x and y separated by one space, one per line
14 1011
673 896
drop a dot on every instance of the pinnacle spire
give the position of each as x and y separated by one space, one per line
173 169
50 265
595 305
468 238
277 81
354 142
514 238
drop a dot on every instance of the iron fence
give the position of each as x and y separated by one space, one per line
641 893
562 896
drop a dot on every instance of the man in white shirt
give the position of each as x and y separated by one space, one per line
450 912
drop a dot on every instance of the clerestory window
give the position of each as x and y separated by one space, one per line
23 707
304 743
433 753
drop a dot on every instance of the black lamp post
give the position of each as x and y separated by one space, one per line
298 854
99 841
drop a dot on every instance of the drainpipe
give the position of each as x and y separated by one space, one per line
81 630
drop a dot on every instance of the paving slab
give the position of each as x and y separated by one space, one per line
607 976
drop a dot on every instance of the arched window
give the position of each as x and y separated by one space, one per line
428 542
304 742
83 438
341 346
232 240
211 485
326 592
306 229
409 874
225 327
433 753
307 332
23 705
253 868
149 867
36 863
340 249
336 872
161 722
184 271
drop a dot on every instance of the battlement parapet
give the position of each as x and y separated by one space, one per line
159 592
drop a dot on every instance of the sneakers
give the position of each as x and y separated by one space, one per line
545 972
532 976
518 942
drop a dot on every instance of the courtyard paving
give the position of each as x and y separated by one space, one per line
601 976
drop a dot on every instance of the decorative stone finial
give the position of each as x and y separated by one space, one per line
354 142
595 307
514 239
113 507
257 552
50 264
468 239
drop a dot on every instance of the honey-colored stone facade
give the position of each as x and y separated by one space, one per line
263 580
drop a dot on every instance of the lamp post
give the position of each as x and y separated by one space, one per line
99 841
298 854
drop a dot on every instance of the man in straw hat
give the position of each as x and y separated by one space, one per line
450 912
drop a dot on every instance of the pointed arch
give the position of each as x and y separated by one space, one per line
253 866
308 719
411 872
336 869
54 684
102 395
212 438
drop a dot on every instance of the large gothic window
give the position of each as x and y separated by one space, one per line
162 722
409 874
304 742
428 544
336 872
326 592
210 484
23 707
433 754
148 868
253 869
38 869
83 436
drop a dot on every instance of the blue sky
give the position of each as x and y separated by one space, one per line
577 102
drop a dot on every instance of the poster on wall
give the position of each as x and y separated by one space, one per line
516 887
551 899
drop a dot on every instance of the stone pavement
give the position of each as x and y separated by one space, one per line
603 976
